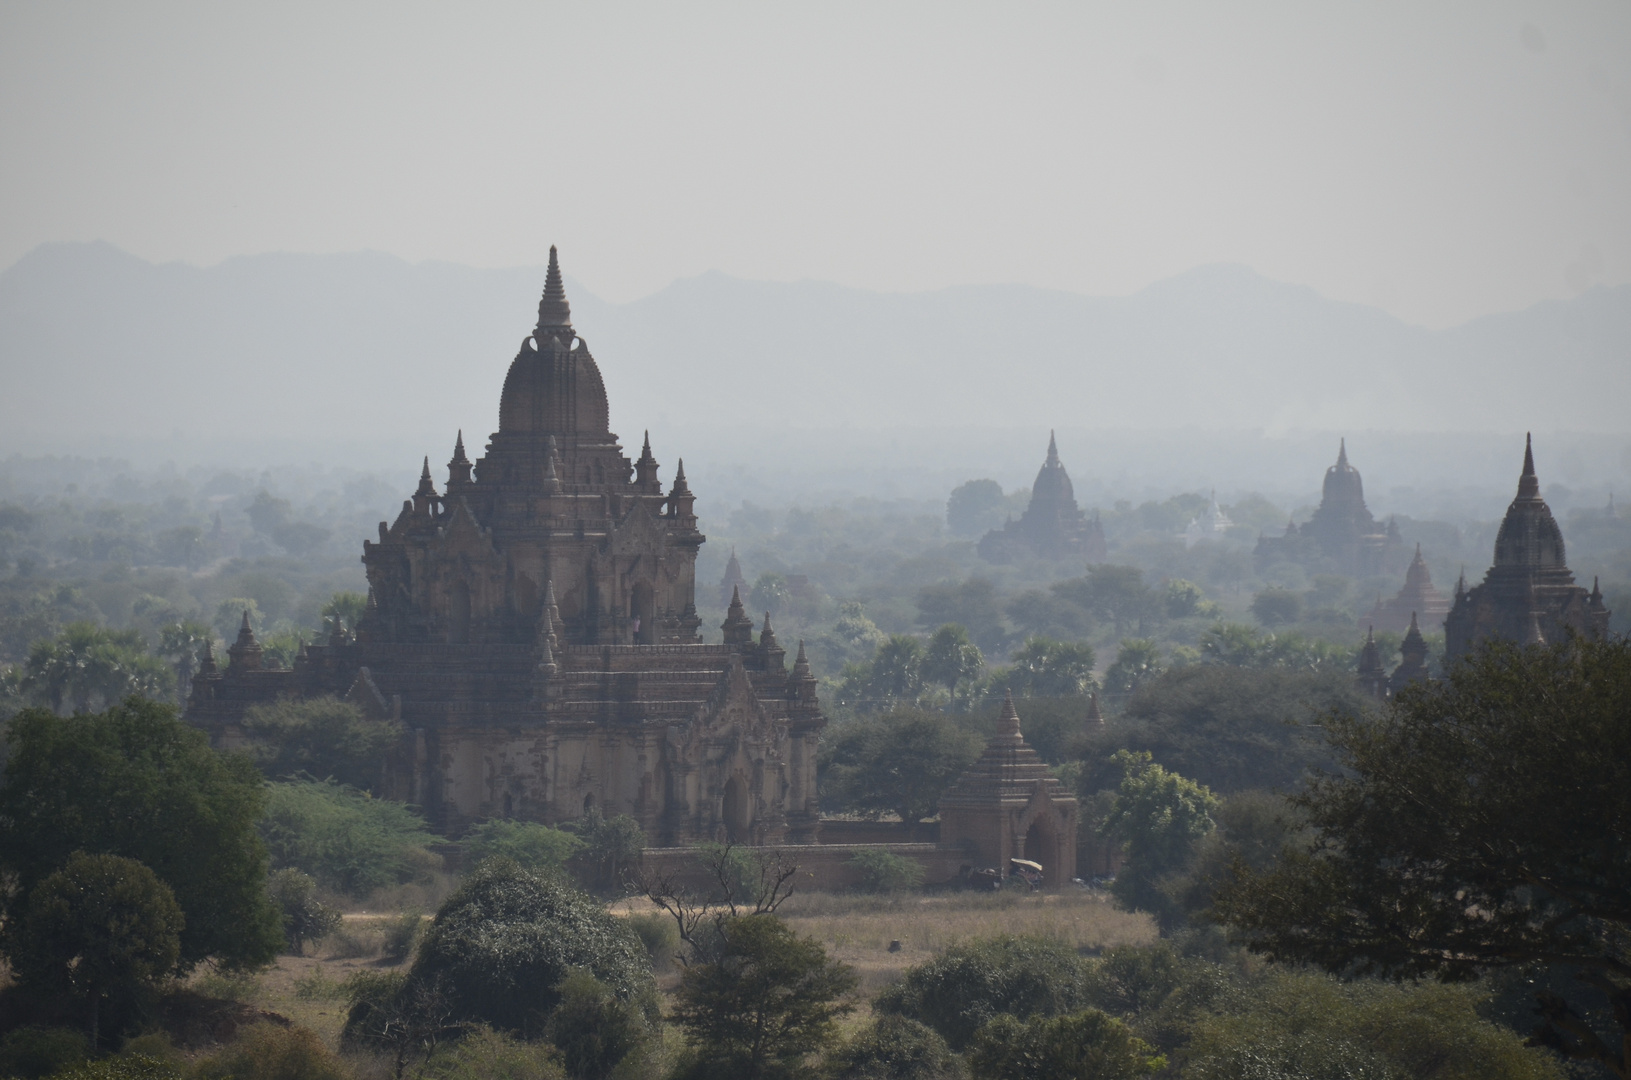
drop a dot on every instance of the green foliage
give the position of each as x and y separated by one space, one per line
86 663
123 1067
501 946
1228 728
1245 646
769 593
593 1028
305 917
952 660
894 674
768 1002
185 812
660 936
485 1054
895 1048
611 846
882 871
971 983
532 846
1045 668
1466 833
900 763
321 736
402 933
1161 815
1297 1024
971 604
30 1052
1185 599
102 927
273 1052
975 507
1277 607
1138 662
1085 1045
343 837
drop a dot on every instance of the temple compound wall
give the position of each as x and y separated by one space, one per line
533 627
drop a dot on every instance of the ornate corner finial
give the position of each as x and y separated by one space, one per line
1053 449
458 444
1342 452
801 665
1528 482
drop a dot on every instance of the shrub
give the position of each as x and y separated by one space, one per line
305 918
343 837
882 871
273 1052
501 946
485 1054
593 1028
30 1052
320 736
401 934
661 937
530 845
123 1067
969 984
1086 1045
610 846
895 1048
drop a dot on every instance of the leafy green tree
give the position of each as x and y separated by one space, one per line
31 1052
502 945
894 674
971 603
972 983
182 643
184 811
900 763
1229 728
484 1054
305 917
530 845
593 1028
884 871
101 928
768 1002
348 607
1086 1045
322 736
1185 599
1114 594
1138 662
1239 645
270 1051
952 660
769 593
1473 828
610 846
1277 607
1044 668
1161 815
229 617
895 1048
974 507
344 838
86 663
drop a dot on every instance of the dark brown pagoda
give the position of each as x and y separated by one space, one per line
1418 597
1052 527
534 628
1342 535
1528 595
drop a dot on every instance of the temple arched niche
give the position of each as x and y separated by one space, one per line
643 613
736 810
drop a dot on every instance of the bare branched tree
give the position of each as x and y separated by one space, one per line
759 887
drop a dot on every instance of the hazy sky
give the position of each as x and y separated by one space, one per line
1439 160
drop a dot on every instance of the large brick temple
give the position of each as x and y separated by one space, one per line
533 627
1052 527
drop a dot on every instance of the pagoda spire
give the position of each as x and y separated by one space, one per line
1342 453
458 470
553 311
1008 722
645 470
1528 482
1053 449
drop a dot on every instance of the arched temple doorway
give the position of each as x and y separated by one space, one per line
643 614
736 813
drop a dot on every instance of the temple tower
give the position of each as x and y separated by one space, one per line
1052 527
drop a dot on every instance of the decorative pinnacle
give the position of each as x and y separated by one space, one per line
1053 449
1008 722
1528 483
553 310
458 446
801 665
1342 453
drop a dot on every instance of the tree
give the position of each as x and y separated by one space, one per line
1114 594
1137 663
1479 824
766 1003
974 507
532 846
322 736
769 593
183 810
895 1048
101 927
1276 607
894 674
593 1028
972 603
305 917
343 837
87 663
608 847
182 642
900 763
1086 1045
1161 814
1044 668
501 946
973 982
952 659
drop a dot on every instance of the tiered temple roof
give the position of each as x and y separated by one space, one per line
1052 527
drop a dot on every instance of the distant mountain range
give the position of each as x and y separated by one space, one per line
98 347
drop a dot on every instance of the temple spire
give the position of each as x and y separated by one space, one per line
1053 449
553 311
737 626
1528 483
1008 722
1342 453
458 470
